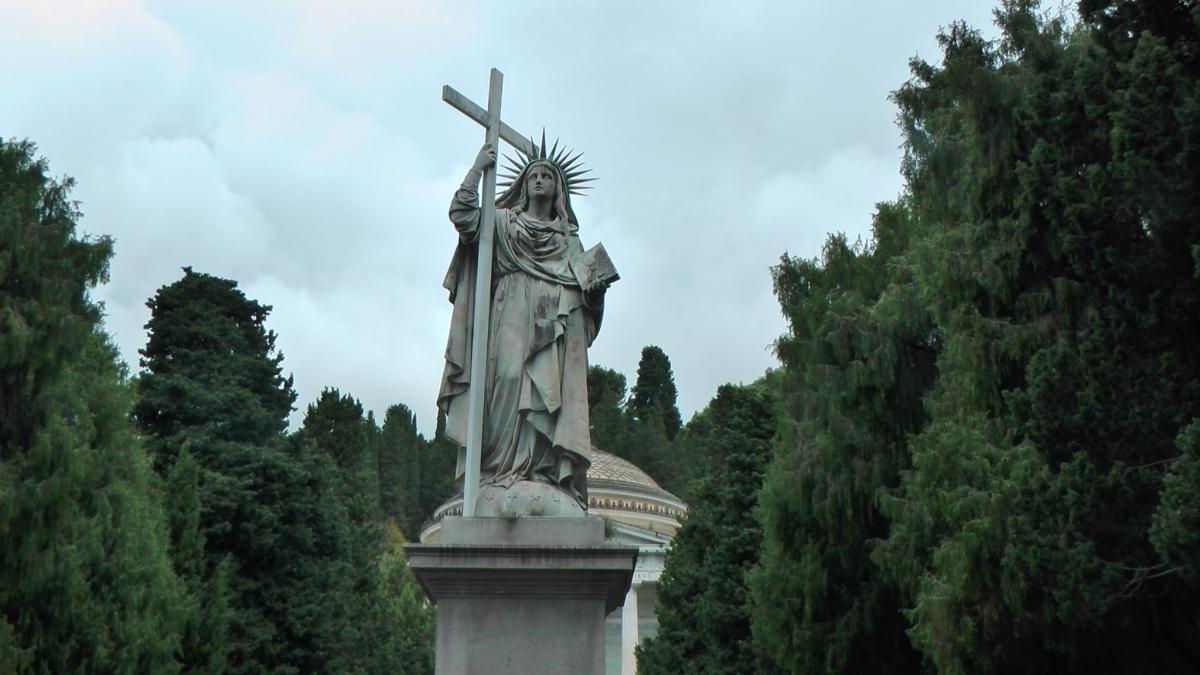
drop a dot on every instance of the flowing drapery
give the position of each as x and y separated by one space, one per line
536 407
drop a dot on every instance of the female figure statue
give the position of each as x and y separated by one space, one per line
546 304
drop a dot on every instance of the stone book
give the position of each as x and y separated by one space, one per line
598 266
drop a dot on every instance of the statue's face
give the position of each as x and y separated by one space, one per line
540 182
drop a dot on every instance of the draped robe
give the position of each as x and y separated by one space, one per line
536 407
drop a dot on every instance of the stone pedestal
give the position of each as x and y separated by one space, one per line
522 595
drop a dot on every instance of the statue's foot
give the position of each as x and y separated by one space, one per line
526 498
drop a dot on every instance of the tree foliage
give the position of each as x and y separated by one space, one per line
988 451
400 474
703 601
438 461
85 581
641 427
856 361
336 426
383 627
212 366
606 409
654 395
213 406
281 540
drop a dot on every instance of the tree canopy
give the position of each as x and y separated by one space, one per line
86 585
988 446
980 453
703 601
641 427
654 395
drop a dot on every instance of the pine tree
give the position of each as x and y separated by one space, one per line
703 601
336 426
85 580
381 628
1055 178
439 457
857 359
400 471
653 396
606 414
269 526
1030 514
406 619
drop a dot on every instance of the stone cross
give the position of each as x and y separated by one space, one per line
495 130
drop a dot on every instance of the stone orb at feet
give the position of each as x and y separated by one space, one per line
526 499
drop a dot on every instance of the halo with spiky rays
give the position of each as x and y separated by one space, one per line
570 165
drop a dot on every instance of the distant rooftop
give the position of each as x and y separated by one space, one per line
607 466
617 489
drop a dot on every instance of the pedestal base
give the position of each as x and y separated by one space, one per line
522 595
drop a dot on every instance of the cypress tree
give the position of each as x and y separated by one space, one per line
703 601
1055 176
380 628
400 471
858 357
639 428
439 457
606 415
1030 514
654 395
85 579
213 395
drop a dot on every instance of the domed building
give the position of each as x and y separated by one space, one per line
637 513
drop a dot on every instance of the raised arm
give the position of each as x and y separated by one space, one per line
464 207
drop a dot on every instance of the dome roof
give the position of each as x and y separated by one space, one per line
608 467
617 490
623 493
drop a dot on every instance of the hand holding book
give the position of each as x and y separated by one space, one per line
596 270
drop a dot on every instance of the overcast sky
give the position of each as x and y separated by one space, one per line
302 149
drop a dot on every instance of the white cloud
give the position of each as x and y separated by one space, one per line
302 149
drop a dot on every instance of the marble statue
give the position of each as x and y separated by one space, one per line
547 300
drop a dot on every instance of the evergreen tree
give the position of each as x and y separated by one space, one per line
641 427
1056 179
703 601
400 471
647 446
336 426
207 594
695 457
654 420
654 395
1175 532
1043 267
380 629
85 579
858 357
269 527
439 459
406 619
606 414
213 369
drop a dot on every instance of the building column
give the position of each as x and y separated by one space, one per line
629 631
